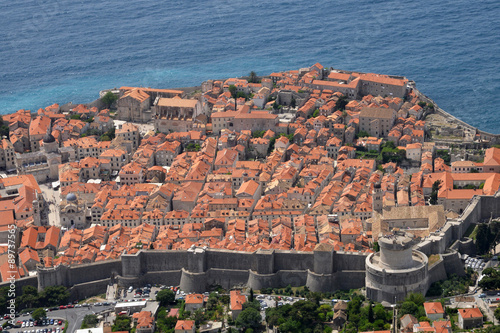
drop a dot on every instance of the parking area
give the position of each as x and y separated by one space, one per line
271 301
28 325
146 293
476 264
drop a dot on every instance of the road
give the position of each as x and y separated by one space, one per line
73 316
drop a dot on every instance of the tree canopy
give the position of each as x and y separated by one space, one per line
4 128
122 323
109 98
341 103
253 78
39 314
165 297
249 318
302 316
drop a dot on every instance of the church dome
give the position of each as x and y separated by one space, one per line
48 138
71 197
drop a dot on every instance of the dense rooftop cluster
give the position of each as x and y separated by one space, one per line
297 159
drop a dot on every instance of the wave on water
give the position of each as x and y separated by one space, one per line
64 50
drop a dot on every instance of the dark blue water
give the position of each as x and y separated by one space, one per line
68 50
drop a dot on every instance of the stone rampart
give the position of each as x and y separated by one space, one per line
197 269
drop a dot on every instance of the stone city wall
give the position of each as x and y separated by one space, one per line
198 269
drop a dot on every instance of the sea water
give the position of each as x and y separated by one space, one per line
67 50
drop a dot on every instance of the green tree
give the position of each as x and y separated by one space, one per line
363 134
29 298
54 295
104 137
4 128
371 317
445 155
165 297
122 323
293 102
232 90
315 113
253 78
254 304
249 318
497 313
109 98
483 238
39 314
341 103
434 193
90 321
251 299
416 298
199 317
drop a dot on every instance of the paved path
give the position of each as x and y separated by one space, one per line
52 197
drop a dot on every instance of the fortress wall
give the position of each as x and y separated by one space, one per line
227 278
263 262
326 271
153 261
168 278
258 281
466 246
291 260
193 282
88 289
320 282
20 283
200 282
349 261
131 264
294 278
92 272
350 279
229 259
490 207
437 272
453 264
471 214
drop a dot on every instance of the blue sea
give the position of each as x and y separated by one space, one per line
68 50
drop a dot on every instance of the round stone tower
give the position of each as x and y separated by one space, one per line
396 270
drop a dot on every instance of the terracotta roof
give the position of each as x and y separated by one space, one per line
184 325
194 299
178 102
470 313
237 300
433 308
137 94
377 112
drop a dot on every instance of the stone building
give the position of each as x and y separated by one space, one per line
73 212
128 132
382 85
396 270
134 105
7 156
38 129
176 114
376 121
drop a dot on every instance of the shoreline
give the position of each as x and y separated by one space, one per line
453 119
